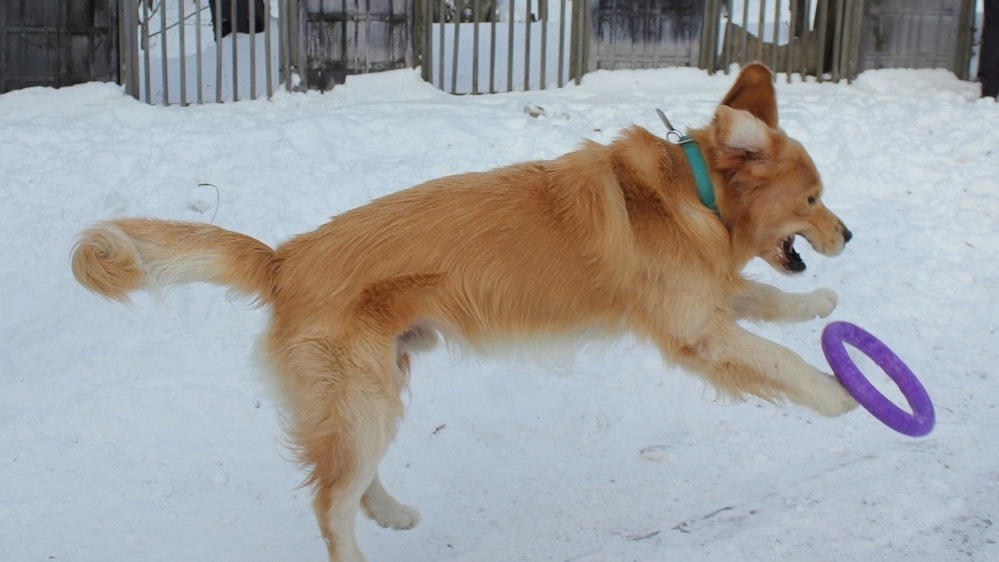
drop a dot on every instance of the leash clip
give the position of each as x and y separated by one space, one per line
702 177
672 134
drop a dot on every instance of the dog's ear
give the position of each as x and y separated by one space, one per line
754 92
743 142
740 131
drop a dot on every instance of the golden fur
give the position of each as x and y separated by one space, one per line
603 240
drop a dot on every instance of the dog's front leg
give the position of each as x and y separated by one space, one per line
759 301
737 362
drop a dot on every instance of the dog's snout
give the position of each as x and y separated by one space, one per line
847 235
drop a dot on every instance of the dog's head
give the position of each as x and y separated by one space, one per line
769 190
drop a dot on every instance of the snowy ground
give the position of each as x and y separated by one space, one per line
145 432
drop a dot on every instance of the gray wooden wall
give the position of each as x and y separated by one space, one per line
57 42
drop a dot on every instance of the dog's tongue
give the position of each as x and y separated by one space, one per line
794 261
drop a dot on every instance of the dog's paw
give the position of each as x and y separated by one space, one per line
821 303
399 517
831 399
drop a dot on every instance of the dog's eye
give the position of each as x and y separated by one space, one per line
812 199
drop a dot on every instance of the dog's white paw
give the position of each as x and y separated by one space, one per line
821 303
398 516
831 399
404 517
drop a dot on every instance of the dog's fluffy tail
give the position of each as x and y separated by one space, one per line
117 257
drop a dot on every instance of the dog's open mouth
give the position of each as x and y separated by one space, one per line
789 256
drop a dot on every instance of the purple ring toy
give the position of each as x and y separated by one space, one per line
920 421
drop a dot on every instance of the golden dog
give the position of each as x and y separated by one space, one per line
601 241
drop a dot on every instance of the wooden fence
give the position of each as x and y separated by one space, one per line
196 51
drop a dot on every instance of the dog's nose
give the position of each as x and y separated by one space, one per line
847 235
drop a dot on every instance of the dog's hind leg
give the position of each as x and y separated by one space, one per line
377 503
344 396
344 406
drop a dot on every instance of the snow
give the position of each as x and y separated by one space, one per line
145 432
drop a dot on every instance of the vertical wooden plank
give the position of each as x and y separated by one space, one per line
647 36
492 52
853 62
759 29
348 34
612 33
423 31
20 48
412 41
579 40
743 51
5 69
75 54
454 52
304 62
182 40
441 25
707 51
965 37
509 49
285 42
269 77
776 39
727 54
543 8
60 59
233 26
106 61
561 43
291 53
52 53
12 18
821 37
163 54
527 47
938 28
837 41
128 52
475 46
793 31
146 56
199 62
252 17
217 25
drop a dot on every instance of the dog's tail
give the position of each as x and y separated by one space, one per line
117 257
